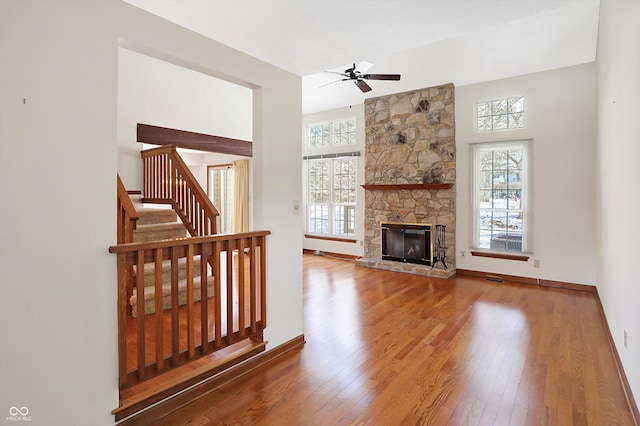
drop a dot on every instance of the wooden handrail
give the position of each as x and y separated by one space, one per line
232 304
127 215
168 180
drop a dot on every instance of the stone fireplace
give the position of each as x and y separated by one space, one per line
410 166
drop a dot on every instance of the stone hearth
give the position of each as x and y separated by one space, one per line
410 139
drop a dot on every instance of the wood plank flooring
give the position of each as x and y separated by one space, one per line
386 348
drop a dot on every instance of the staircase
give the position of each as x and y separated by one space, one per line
153 251
156 224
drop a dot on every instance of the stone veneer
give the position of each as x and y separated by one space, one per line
410 138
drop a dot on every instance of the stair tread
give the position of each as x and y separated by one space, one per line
159 231
149 215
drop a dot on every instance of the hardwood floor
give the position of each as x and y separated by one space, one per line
386 348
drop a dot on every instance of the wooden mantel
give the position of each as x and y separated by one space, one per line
409 186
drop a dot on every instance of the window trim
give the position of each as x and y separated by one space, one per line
525 199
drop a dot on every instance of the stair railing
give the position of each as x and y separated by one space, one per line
127 215
168 180
232 305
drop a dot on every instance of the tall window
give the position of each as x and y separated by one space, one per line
331 196
220 191
501 196
500 114
331 179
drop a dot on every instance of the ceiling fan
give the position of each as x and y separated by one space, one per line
357 74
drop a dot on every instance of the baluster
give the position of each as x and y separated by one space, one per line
201 220
123 270
197 214
229 291
164 177
159 310
175 324
174 183
253 285
183 199
140 319
241 297
121 230
204 298
263 283
190 302
157 179
145 177
150 177
192 213
154 176
188 205
167 178
217 294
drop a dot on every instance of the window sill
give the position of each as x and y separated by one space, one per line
321 237
495 255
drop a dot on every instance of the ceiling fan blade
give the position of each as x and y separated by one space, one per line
394 77
362 86
330 83
363 66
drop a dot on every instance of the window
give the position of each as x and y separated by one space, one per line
500 114
331 196
220 191
331 179
336 133
500 195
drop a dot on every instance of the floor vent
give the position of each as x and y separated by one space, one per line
494 278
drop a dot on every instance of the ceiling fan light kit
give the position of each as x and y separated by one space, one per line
357 75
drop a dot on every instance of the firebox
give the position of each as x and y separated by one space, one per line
407 242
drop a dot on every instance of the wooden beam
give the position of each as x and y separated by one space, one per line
190 140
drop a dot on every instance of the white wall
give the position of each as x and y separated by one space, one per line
58 170
357 111
561 118
618 68
159 93
59 152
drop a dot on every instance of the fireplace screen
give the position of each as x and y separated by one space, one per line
406 242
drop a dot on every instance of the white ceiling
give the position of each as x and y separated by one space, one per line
428 41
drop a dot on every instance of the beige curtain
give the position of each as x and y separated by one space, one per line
241 196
